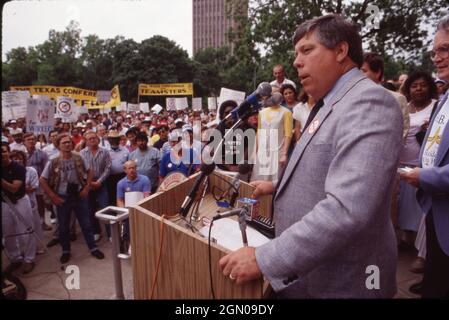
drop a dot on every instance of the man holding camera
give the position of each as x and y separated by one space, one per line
66 180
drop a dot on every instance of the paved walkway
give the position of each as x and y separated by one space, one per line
48 280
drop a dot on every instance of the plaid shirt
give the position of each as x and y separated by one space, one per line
100 164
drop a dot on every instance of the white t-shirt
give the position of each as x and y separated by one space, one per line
410 151
18 146
434 138
278 85
301 112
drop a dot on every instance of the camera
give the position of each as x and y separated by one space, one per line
72 188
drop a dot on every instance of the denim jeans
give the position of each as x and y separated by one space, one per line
98 199
81 208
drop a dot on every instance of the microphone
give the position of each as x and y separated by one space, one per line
227 214
206 169
274 100
243 170
242 213
252 101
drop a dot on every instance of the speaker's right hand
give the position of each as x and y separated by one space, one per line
262 188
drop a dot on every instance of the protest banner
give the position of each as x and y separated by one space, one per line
144 107
133 107
103 96
168 89
81 96
229 94
82 110
114 100
181 103
212 103
40 115
122 106
14 104
157 108
170 104
66 109
197 104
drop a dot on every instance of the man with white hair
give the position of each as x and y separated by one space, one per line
432 179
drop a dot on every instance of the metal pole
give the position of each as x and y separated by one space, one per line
115 228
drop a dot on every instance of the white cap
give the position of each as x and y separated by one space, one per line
12 121
178 120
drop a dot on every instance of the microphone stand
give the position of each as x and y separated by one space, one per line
241 212
227 133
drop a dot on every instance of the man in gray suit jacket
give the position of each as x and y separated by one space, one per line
334 236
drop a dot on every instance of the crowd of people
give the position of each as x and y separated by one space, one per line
318 145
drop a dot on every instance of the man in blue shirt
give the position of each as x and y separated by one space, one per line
119 155
133 182
179 159
147 159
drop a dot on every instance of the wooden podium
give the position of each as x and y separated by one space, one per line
184 259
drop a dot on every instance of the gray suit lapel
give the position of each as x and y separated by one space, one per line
444 146
308 134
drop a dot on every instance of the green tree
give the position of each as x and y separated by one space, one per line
270 25
58 60
20 67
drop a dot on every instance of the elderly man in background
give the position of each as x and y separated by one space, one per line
280 79
432 179
99 162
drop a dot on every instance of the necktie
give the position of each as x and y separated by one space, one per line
313 113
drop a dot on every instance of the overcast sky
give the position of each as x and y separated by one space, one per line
27 23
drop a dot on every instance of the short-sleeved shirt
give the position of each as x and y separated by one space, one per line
278 85
51 150
118 157
147 163
14 171
18 147
67 171
100 163
141 184
37 159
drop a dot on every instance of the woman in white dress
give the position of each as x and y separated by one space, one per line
274 134
31 184
420 90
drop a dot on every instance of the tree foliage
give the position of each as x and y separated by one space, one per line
403 33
